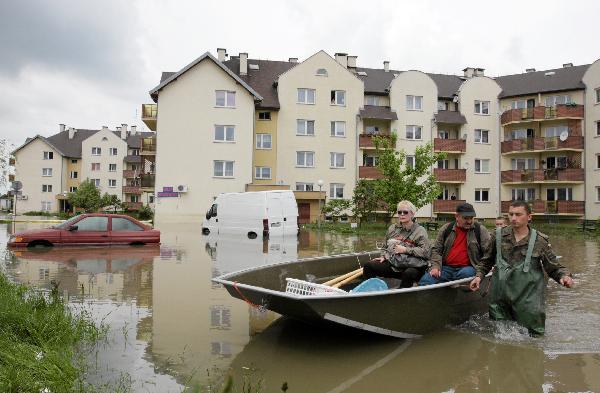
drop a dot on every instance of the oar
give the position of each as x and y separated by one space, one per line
349 279
342 277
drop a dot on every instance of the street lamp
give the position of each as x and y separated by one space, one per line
320 184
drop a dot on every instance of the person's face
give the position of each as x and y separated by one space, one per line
404 214
518 216
500 223
464 222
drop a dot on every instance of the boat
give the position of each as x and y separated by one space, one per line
402 313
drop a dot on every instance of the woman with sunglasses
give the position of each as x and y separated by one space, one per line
405 237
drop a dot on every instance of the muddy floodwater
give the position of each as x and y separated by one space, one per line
171 328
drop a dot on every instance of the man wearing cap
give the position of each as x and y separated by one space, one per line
458 248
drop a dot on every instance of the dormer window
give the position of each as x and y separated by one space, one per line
321 72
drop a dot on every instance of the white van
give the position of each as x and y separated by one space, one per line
264 213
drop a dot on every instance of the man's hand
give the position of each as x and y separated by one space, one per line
567 281
474 285
400 249
435 272
378 259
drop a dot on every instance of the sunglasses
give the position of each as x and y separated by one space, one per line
403 212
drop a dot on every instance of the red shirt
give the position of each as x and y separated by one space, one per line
458 255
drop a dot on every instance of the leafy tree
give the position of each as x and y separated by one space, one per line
336 208
365 201
145 213
87 197
402 182
111 201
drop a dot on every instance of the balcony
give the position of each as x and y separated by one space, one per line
132 190
538 206
149 114
450 175
450 145
369 172
133 159
365 141
542 144
540 113
147 180
446 205
129 174
558 175
148 146
132 205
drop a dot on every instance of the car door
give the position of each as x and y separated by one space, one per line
125 231
89 230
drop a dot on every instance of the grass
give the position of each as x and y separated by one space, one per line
39 342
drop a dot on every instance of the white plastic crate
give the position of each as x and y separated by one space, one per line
305 288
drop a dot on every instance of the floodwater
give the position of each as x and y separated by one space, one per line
172 328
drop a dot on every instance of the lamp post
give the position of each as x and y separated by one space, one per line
320 184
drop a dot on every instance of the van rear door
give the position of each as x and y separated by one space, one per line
275 213
290 213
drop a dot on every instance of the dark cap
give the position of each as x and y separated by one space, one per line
465 210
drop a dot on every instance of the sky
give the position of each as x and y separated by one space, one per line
91 64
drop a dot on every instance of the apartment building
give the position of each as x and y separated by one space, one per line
51 167
313 124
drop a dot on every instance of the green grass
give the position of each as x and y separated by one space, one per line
39 342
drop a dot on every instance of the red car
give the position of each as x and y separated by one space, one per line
89 229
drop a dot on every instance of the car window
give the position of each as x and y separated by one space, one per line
93 224
67 223
123 224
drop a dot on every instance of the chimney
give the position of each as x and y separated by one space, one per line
567 65
342 58
243 63
352 61
221 54
119 130
530 70
104 128
386 66
61 127
72 132
134 130
123 133
469 72
479 71
293 60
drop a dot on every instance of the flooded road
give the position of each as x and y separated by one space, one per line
171 327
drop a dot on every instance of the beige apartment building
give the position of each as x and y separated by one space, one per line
51 167
526 136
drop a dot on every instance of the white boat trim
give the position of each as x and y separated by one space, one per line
369 328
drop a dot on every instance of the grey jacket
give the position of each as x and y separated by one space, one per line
415 240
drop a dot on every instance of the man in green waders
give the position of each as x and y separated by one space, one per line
521 255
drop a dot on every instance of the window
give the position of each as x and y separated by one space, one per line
72 189
47 172
46 187
482 166
519 104
557 100
482 107
414 103
597 161
135 152
321 72
598 128
443 134
96 151
559 194
336 160
112 151
556 162
338 97
338 128
46 206
597 194
482 195
482 136
223 169
134 198
150 198
264 115
305 127
443 164
48 155
305 159
550 132
263 141
523 194
73 174
95 166
521 134
122 224
442 106
73 161
336 191
522 163
370 161
373 100
372 130
262 172
92 224
306 96
304 187
225 98
112 167
410 162
224 133
112 183
413 132
597 96
95 182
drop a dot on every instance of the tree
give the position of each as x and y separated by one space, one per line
110 201
336 208
365 201
404 182
87 197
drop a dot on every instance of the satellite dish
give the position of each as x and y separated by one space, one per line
563 136
17 185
